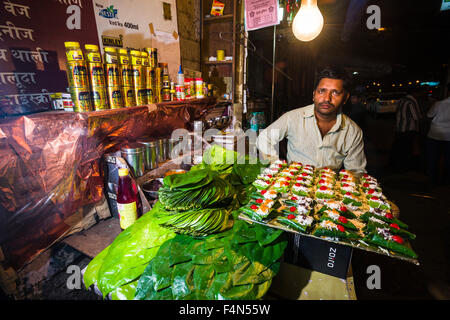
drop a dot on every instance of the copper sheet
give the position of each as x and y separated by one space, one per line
50 166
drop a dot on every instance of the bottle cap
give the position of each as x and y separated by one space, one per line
110 49
123 172
123 51
71 44
91 47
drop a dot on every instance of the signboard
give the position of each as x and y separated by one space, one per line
445 5
32 36
260 14
138 24
32 53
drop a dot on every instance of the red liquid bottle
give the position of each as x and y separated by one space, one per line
126 200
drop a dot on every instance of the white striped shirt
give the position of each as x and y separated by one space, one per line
343 145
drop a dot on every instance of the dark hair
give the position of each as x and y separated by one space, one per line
334 73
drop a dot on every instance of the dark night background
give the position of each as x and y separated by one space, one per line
412 46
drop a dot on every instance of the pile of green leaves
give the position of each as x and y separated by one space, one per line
198 223
198 189
236 264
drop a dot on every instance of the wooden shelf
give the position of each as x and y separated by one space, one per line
218 18
218 62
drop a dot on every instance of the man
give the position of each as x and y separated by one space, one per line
319 134
438 140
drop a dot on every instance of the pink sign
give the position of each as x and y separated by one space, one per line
261 13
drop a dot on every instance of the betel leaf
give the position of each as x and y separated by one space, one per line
125 292
191 179
131 251
222 266
90 275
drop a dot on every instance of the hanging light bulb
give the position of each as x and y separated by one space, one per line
308 22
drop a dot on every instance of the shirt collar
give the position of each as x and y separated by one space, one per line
340 122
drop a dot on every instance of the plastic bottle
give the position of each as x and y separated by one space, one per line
126 200
180 77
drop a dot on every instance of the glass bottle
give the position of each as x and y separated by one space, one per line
126 199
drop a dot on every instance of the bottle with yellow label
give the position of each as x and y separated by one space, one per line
96 77
112 75
77 76
126 199
126 77
138 77
148 77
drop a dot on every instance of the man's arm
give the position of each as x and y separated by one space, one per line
269 138
356 159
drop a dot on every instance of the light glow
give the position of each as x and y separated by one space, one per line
308 22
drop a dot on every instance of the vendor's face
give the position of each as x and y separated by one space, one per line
329 96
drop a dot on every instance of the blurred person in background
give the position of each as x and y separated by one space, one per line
405 154
438 142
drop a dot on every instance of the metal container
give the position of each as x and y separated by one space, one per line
171 144
150 188
134 155
150 154
198 126
162 150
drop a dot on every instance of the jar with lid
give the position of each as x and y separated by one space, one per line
199 88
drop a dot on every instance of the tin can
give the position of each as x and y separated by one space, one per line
99 98
187 88
77 74
96 74
192 88
115 97
112 75
150 85
138 76
153 57
92 53
179 93
150 96
129 97
125 72
210 90
81 99
166 94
